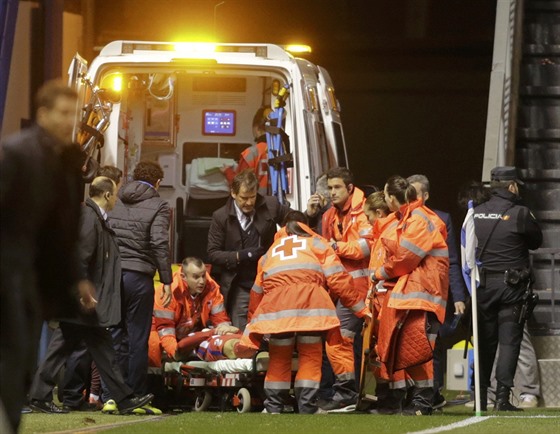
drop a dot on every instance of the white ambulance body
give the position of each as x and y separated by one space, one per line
190 107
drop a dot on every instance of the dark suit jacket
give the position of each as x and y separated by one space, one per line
100 263
224 235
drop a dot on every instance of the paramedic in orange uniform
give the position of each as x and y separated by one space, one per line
381 219
417 258
289 300
255 157
196 304
348 230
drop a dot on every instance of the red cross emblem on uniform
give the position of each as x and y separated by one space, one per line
288 248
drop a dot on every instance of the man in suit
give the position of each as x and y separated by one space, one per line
240 233
100 263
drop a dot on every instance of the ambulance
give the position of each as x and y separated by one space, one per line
190 107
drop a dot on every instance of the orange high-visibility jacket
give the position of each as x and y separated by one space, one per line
175 321
383 227
416 254
256 158
355 240
290 291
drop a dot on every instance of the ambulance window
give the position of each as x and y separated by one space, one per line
326 162
341 155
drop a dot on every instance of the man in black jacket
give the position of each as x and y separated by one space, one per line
141 222
240 233
99 263
40 194
505 231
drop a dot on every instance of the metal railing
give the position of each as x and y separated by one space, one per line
554 254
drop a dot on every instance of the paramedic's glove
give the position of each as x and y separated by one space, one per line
251 254
166 295
226 329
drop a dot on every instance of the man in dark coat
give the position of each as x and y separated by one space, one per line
40 194
100 263
141 221
240 233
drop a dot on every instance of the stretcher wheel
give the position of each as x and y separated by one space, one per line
244 397
203 400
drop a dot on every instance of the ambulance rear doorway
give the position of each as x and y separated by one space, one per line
192 124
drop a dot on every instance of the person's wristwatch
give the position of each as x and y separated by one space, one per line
334 246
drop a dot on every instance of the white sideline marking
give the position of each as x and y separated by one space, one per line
106 426
477 419
461 424
537 416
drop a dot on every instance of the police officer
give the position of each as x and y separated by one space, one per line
506 231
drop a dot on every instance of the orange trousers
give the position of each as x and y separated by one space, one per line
277 382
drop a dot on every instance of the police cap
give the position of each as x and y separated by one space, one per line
505 173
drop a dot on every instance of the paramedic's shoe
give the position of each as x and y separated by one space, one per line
528 401
129 404
339 407
439 401
110 407
46 407
147 410
417 410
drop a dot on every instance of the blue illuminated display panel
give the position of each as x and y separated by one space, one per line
218 123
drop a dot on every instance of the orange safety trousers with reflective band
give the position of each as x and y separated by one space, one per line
341 357
354 244
279 374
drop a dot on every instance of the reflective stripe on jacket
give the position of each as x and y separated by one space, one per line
289 294
175 322
354 242
417 254
383 228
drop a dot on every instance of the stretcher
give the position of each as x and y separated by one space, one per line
223 384
369 359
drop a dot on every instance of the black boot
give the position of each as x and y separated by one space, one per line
502 400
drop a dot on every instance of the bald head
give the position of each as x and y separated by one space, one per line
103 191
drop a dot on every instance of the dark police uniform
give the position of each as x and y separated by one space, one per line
505 231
